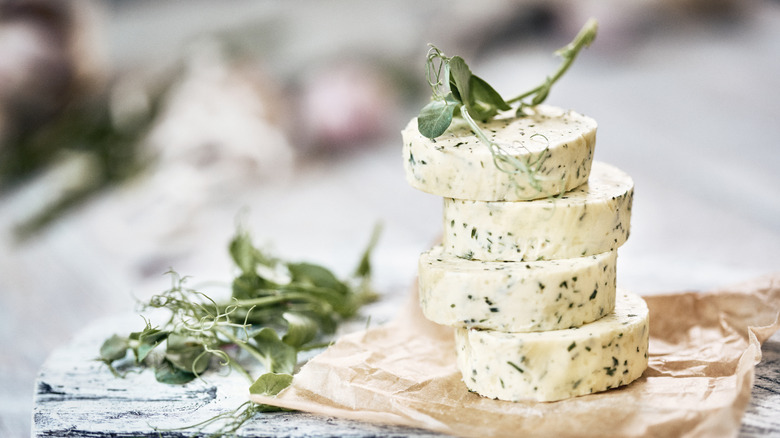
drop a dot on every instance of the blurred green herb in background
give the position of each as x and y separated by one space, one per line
111 147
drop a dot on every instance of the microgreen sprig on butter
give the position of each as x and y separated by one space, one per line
276 310
457 92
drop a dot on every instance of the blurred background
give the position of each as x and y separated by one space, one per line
134 136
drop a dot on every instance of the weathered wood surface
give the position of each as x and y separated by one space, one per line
762 418
79 397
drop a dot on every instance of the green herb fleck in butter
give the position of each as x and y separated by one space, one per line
558 364
558 144
516 296
590 219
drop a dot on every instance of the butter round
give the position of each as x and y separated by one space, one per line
557 144
590 219
554 365
516 296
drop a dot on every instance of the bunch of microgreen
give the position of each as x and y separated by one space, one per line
277 309
457 92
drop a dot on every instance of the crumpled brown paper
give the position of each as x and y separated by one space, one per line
703 350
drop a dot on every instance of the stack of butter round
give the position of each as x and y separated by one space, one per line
527 266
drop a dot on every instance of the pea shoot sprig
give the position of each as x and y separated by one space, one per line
277 309
457 92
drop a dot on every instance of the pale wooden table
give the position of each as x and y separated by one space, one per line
76 396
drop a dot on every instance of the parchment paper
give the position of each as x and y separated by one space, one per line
703 350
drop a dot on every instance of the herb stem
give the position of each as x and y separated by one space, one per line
246 347
500 155
236 366
273 299
569 52
528 93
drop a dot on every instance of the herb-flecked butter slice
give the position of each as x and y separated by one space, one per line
554 365
516 296
557 144
590 219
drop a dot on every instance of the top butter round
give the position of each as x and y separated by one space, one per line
557 144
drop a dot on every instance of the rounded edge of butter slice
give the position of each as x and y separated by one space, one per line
590 219
558 144
555 365
516 296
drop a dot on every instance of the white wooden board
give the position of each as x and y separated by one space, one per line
78 397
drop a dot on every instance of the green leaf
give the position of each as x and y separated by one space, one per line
363 269
436 117
148 340
315 275
325 318
245 255
165 372
460 77
262 315
455 93
300 329
243 252
250 285
186 354
482 112
482 92
271 383
280 357
114 348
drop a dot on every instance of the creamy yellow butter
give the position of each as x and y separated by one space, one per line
557 143
554 365
516 296
590 219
